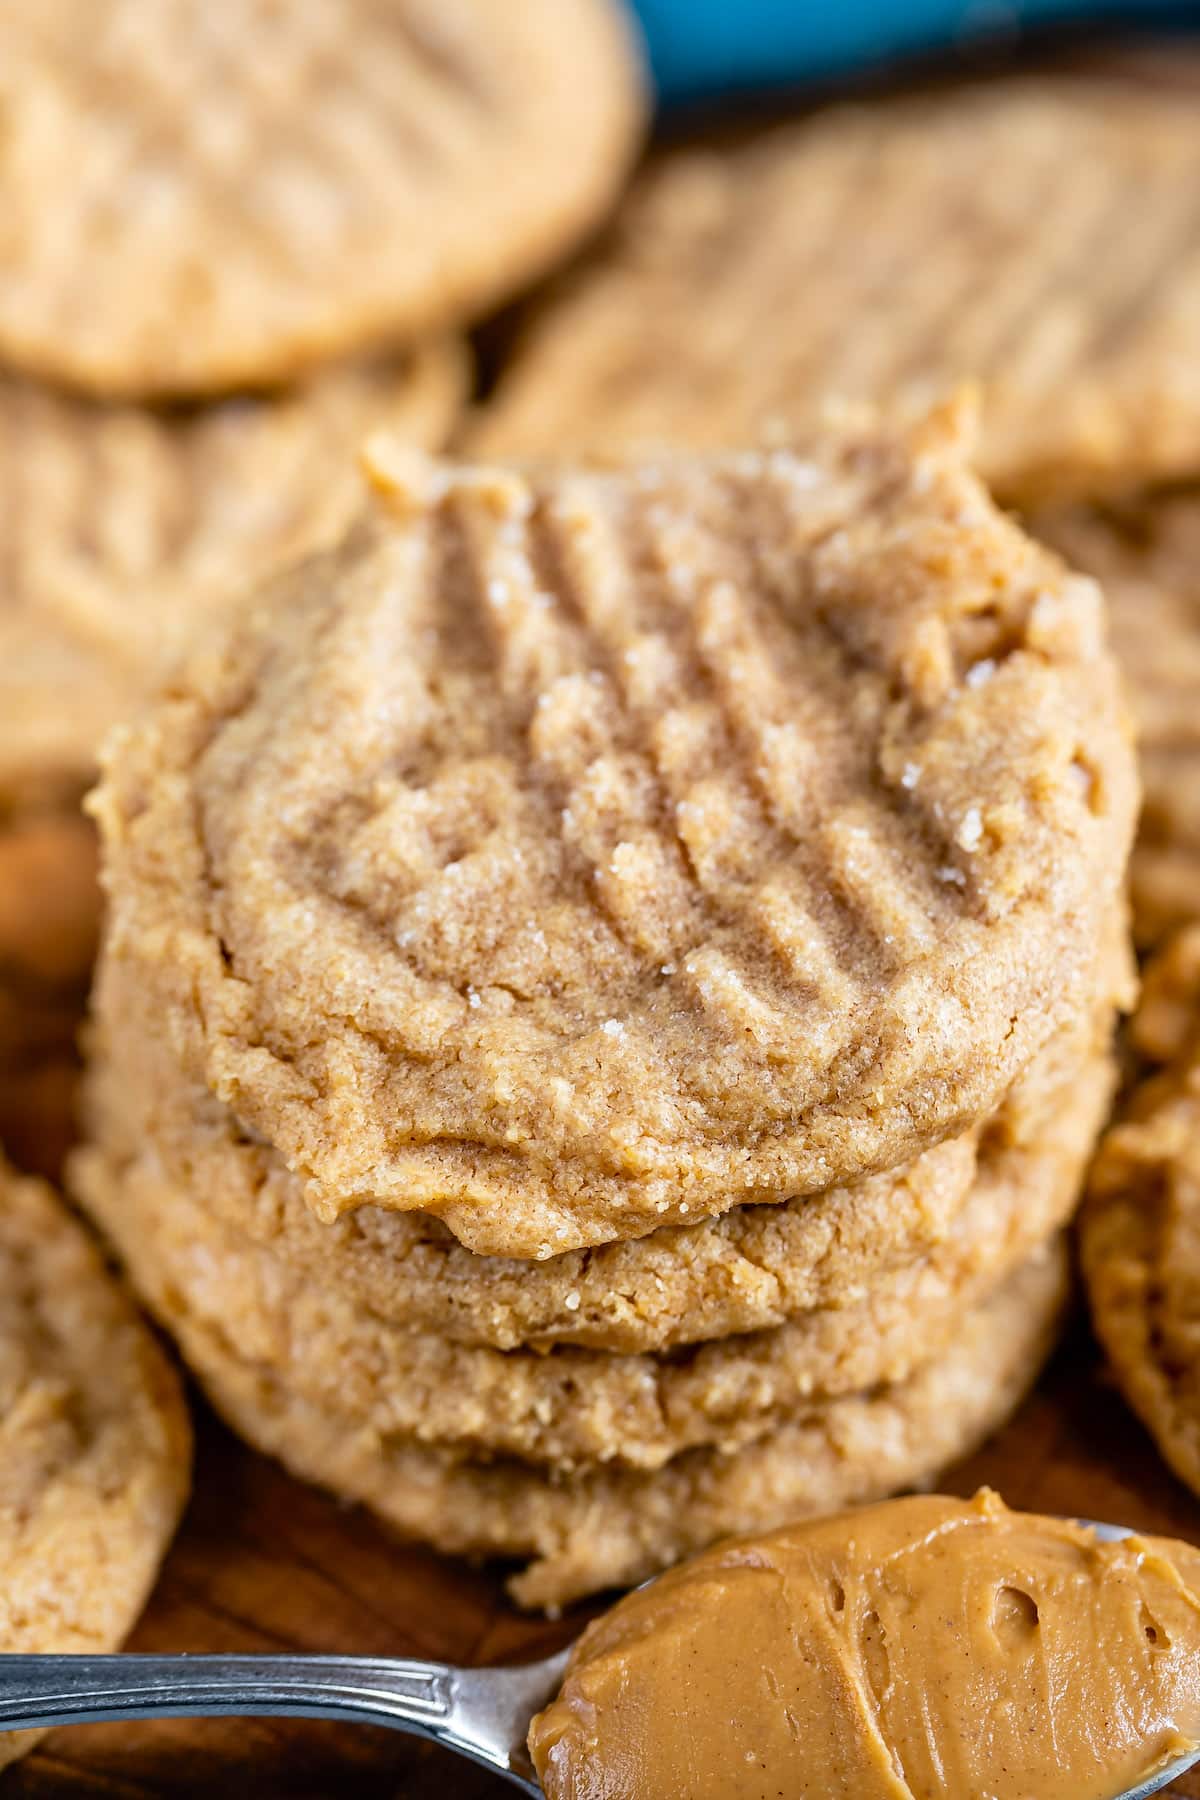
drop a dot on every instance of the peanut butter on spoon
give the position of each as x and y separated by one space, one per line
922 1648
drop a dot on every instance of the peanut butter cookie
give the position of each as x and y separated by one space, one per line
201 198
568 855
121 527
610 1527
1146 556
748 1270
881 252
1140 1226
94 1441
572 1407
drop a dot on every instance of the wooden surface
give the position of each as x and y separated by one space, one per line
265 1564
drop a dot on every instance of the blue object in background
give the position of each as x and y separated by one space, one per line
708 46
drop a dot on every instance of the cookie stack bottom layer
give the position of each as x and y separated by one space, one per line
571 1406
603 1527
599 1465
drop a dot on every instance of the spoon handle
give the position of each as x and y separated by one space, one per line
480 1713
43 1691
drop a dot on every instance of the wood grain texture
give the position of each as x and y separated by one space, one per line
265 1564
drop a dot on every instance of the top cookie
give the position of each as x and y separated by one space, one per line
880 252
95 1447
578 853
120 527
200 197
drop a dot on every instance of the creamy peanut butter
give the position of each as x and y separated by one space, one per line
925 1647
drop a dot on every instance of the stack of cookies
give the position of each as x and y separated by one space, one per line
607 991
236 240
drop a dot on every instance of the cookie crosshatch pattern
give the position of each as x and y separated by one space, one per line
636 843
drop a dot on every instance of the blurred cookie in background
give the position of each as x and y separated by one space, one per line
201 198
1146 555
1034 234
1140 1224
122 527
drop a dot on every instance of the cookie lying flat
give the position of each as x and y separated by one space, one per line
1146 555
611 1527
202 198
575 854
120 528
95 1446
573 1408
1140 1226
882 252
749 1270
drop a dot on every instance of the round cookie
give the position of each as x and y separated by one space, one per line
1146 555
95 1446
1140 1225
202 198
571 1407
613 1527
120 527
592 851
882 252
749 1270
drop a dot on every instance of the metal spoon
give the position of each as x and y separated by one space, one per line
482 1714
